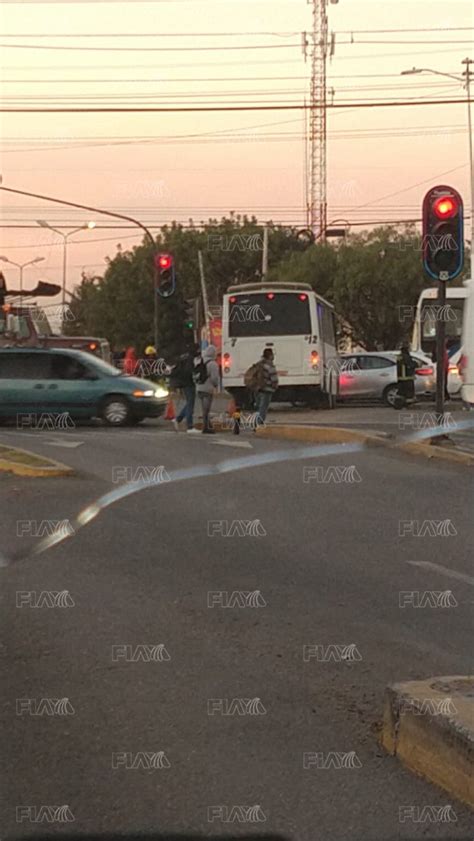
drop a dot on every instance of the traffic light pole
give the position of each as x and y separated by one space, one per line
440 347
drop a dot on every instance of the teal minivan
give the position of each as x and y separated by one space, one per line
62 381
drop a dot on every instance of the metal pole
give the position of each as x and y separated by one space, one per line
203 290
155 315
440 346
64 270
21 281
265 252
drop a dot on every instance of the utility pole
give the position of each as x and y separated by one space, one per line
265 252
203 290
468 73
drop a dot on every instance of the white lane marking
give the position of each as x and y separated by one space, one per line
68 444
451 573
223 442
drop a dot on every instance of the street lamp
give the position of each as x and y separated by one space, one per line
21 266
467 84
65 236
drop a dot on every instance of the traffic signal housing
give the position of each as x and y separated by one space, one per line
165 275
190 315
443 233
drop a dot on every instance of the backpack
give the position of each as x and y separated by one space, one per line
200 372
254 377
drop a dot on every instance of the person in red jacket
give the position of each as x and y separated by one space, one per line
130 361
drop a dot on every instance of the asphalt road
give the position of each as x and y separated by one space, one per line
159 649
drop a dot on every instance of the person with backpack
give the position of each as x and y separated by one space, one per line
181 379
206 377
262 379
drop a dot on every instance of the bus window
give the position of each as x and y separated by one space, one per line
269 314
326 320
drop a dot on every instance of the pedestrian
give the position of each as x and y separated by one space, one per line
130 361
206 377
267 384
182 378
406 367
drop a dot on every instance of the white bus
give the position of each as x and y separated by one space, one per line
424 328
297 324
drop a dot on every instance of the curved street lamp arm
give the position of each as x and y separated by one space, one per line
83 207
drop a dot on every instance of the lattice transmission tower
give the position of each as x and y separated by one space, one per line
320 46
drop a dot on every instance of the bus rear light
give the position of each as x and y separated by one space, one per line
232 299
303 297
314 358
270 296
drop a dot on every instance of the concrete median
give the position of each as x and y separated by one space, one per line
25 463
429 726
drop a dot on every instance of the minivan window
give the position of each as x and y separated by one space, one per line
68 368
25 366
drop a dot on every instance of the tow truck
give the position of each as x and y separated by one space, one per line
27 325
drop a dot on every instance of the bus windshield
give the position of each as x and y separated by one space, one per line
269 314
452 318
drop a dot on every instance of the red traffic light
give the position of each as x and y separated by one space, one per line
163 261
445 207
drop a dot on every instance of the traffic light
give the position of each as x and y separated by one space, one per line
189 313
165 276
443 233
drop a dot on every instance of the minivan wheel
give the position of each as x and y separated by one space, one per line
115 411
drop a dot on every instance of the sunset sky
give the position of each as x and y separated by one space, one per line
161 167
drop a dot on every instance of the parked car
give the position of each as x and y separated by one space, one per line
373 375
74 383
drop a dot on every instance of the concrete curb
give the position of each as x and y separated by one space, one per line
52 468
429 726
433 451
341 435
322 435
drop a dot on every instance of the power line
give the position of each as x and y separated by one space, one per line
230 108
153 49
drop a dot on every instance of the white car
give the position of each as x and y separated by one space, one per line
454 374
373 375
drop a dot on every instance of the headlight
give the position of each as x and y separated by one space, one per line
140 393
161 392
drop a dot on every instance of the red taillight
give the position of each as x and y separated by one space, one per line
314 358
453 369
303 297
270 296
424 372
233 299
92 346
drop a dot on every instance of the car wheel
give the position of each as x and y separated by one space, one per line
115 411
391 395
